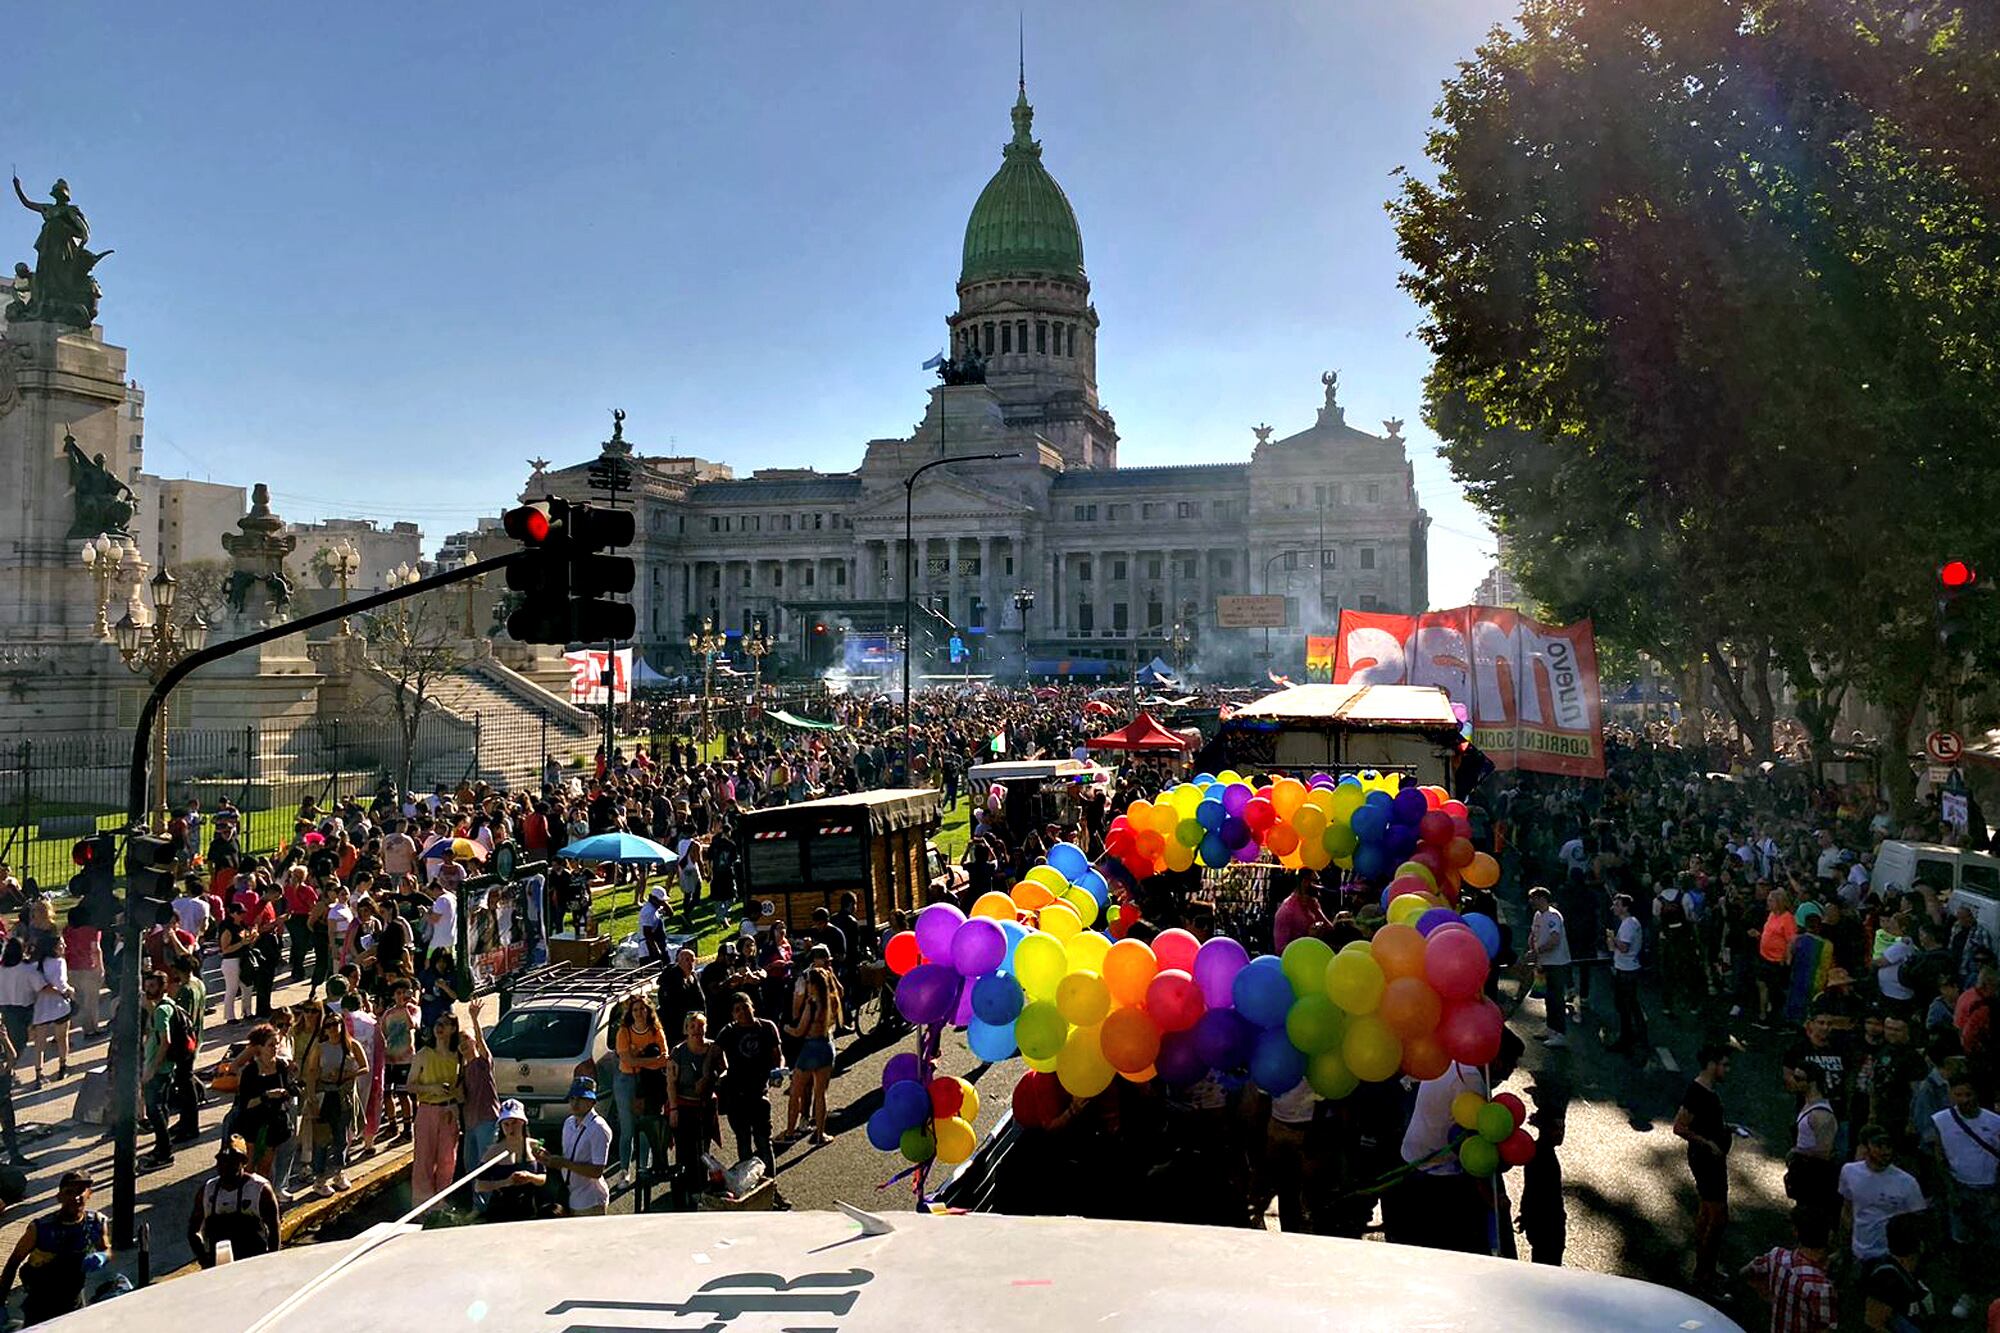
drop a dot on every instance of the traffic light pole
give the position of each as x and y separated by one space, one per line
125 1023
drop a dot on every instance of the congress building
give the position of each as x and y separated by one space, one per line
1054 560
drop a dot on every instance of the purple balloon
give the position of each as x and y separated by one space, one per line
1179 1061
1222 1037
1410 805
978 947
1249 851
1216 964
962 1016
936 925
903 1067
1437 916
1235 796
1234 832
928 993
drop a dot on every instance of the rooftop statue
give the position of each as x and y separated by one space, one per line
62 290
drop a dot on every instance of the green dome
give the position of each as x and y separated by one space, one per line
1022 225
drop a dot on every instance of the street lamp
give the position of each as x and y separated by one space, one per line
1024 602
343 562
104 556
757 643
1265 584
152 650
1179 638
706 643
909 591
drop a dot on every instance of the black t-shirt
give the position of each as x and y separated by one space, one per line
1704 1108
850 927
1830 1059
1889 1282
750 1052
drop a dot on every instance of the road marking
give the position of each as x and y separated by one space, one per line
1667 1059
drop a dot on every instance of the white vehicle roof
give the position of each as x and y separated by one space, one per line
755 1272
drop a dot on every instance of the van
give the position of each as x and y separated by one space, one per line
556 1019
1971 878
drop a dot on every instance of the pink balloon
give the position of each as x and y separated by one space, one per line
1435 828
1470 1031
1406 884
1173 1001
1176 949
1455 965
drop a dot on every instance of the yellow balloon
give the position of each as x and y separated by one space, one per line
1049 878
1391 783
955 1141
1372 1052
1313 855
1060 920
1344 802
1321 799
1082 1068
1047 1066
1354 981
1084 999
968 1106
1040 963
1405 910
1178 857
994 904
1166 819
1228 776
1358 946
1465 1110
1186 798
1083 905
1086 951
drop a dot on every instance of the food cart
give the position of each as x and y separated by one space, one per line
805 856
1036 792
1407 729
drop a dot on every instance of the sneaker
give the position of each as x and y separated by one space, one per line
1962 1308
1556 1041
323 1190
341 1182
1736 1011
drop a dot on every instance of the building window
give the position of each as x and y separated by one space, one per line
1006 337
1374 494
1072 340
971 566
1333 493
1021 334
714 524
1152 568
1329 559
1319 497
1188 509
1118 513
778 577
1008 566
1368 557
1291 561
1191 568
1086 513
1225 568
1083 571
1369 602
819 520
809 576
1117 571
746 576
1041 337
1152 511
1120 618
1156 617
989 337
840 576
1086 617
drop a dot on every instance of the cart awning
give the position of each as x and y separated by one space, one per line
1141 733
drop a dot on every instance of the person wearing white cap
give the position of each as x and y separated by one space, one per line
653 926
511 1184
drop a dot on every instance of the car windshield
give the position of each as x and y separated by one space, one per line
540 1034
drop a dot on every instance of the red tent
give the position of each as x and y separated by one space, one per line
1141 733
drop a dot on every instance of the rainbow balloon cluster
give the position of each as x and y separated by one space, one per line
1488 1132
1368 823
924 1120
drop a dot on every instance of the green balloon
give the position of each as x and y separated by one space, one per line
919 1146
1339 840
1314 1024
1477 1155
1494 1123
1329 1075
1189 833
1304 961
1040 1031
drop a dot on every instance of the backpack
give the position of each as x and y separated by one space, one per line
180 1034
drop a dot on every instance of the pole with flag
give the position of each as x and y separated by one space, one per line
935 361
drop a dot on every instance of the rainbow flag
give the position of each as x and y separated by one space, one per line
1812 958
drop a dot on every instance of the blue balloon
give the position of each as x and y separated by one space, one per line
1381 798
906 1104
884 1135
1401 840
1262 992
1275 1063
991 1041
1213 852
1487 929
1210 814
1368 822
1203 779
1437 916
1410 805
1348 780
1223 1037
996 1000
1373 862
1015 933
1093 884
1068 860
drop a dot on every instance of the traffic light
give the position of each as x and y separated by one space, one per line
595 577
1957 582
149 871
96 862
543 578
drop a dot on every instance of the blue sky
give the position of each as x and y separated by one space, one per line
379 254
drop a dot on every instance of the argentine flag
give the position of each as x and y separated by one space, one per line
934 362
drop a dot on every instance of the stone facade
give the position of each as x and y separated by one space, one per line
1116 557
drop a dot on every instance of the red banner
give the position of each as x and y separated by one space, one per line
1531 689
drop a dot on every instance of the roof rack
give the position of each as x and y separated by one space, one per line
558 981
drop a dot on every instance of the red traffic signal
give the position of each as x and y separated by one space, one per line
86 853
1957 575
529 523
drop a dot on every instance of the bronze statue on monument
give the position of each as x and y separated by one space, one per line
62 290
103 503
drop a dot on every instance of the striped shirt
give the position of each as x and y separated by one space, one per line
1801 1292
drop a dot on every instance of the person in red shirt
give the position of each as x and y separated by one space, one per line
166 940
298 898
83 952
1974 1015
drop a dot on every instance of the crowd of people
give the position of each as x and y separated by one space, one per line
1742 910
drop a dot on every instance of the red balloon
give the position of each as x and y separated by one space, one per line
946 1097
1455 965
902 953
1434 829
1433 797
1139 864
1518 1148
1260 814
1456 809
1174 1002
1515 1107
1038 1099
1458 853
1176 949
1431 859
1424 1057
1461 827
1151 844
1470 1031
1406 884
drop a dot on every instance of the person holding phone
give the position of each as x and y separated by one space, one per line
267 1091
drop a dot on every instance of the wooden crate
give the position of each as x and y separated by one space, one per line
590 951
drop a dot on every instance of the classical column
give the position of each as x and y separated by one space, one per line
987 620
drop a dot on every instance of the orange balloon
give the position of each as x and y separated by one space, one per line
1129 967
1410 1008
1399 949
1424 1058
1031 897
1131 1040
1142 1076
1281 839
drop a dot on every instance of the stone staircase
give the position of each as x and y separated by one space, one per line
508 723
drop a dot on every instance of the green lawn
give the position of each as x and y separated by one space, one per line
956 831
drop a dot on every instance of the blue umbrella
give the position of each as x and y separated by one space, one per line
617 847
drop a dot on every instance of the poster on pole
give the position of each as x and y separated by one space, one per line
1236 611
1531 689
586 676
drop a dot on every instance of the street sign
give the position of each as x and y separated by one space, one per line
1240 612
1955 810
1944 747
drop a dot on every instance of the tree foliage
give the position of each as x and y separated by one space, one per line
1711 289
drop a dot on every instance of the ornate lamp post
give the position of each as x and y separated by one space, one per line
706 643
103 557
1179 638
757 643
343 562
151 650
1024 602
